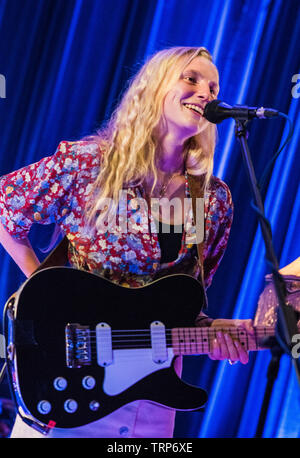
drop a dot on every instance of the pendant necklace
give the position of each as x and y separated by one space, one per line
164 187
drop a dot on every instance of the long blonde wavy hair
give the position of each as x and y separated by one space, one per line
128 142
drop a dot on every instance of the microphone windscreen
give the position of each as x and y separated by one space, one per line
216 111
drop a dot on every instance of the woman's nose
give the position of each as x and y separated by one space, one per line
203 91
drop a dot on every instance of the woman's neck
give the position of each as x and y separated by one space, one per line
171 155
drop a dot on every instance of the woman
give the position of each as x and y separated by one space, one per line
156 135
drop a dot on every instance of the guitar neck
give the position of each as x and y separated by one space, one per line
197 341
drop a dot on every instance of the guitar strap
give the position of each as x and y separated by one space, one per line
197 187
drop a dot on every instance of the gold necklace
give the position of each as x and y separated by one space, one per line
164 186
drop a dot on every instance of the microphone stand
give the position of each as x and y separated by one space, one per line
286 325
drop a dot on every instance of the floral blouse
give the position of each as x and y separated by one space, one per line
56 190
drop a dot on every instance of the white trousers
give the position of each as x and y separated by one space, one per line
139 419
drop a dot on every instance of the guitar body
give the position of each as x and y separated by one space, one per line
51 387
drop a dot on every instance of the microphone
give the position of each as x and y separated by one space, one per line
216 111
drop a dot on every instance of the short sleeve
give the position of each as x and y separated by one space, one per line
218 224
38 193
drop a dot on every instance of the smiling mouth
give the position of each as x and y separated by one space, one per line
194 108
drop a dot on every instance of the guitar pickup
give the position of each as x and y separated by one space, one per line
104 344
158 342
78 345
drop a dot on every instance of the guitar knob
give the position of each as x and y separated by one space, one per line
70 405
88 382
60 383
94 405
44 407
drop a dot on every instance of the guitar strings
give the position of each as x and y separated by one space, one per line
187 341
133 332
210 328
197 337
187 335
181 346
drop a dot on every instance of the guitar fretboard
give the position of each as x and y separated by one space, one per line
195 341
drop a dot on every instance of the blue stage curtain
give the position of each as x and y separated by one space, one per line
63 66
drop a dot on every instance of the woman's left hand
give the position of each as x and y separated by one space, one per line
224 347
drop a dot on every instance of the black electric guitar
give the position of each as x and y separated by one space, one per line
79 346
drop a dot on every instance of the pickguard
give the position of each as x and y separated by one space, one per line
130 366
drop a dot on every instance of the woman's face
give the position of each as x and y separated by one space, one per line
185 102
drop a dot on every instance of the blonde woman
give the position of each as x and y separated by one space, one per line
156 136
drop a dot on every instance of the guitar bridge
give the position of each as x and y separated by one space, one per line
78 345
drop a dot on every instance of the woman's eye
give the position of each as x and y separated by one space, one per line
191 79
